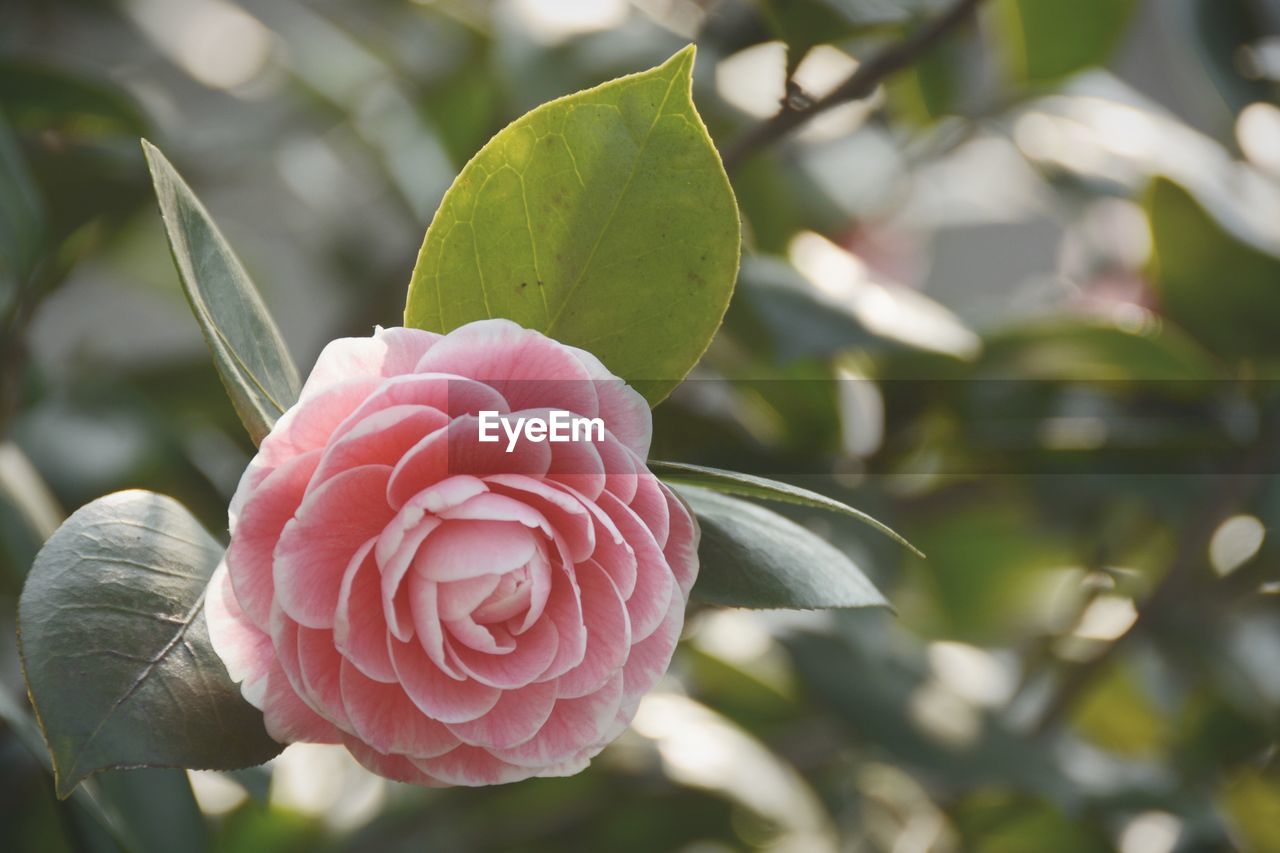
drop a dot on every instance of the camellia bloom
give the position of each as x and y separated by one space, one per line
452 612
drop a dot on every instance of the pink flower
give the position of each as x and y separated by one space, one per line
451 612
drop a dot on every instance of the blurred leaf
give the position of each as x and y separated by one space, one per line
1218 286
988 569
792 317
87 797
247 348
632 231
1118 715
1083 349
22 222
1046 40
750 486
997 821
1251 799
116 651
159 809
751 557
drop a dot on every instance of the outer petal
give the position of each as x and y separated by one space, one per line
383 717
573 725
395 767
471 765
332 524
389 352
624 409
245 650
528 368
266 510
681 549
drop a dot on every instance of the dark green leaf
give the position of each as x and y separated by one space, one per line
116 651
1219 285
246 345
603 219
752 557
751 486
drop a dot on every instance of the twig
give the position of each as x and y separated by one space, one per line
1234 489
858 85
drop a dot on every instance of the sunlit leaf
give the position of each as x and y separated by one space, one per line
247 349
753 557
116 651
1045 40
603 219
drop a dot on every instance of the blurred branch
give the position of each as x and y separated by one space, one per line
1231 492
860 84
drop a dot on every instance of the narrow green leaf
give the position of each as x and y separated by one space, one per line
603 219
247 349
750 486
752 557
115 648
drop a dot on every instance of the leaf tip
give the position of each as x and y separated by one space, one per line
681 62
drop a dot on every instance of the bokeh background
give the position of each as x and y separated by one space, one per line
1023 303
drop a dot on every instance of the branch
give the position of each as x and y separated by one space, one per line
858 85
1234 489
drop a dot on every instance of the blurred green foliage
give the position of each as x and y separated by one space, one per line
1022 304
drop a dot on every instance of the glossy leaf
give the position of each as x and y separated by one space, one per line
247 349
603 219
1235 316
751 486
752 557
116 651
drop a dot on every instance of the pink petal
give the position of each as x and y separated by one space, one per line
395 767
457 449
389 352
425 609
565 610
319 666
310 423
562 510
453 395
381 438
516 718
288 719
624 410
681 549
655 585
613 554
245 649
457 550
399 541
435 693
608 631
528 368
384 718
577 464
650 658
525 664
572 726
650 505
262 518
621 467
471 766
316 547
360 626
458 599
